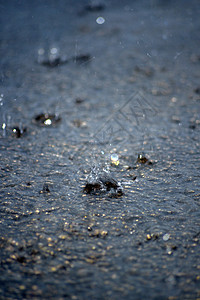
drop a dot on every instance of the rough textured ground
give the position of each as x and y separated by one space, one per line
128 86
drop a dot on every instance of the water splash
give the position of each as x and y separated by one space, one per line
101 181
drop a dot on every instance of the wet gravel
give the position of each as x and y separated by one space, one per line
78 221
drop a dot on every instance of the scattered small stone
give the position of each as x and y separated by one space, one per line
47 119
18 132
98 233
153 236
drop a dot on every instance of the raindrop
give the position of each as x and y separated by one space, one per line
4 125
114 159
1 100
100 20
41 51
4 129
166 237
54 51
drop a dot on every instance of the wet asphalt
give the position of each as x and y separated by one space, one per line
99 150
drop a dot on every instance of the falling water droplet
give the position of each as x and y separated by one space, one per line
4 129
1 100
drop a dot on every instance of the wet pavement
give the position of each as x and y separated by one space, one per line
99 150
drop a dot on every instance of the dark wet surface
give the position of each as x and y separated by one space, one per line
134 93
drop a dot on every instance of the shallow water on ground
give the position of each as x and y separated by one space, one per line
138 95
